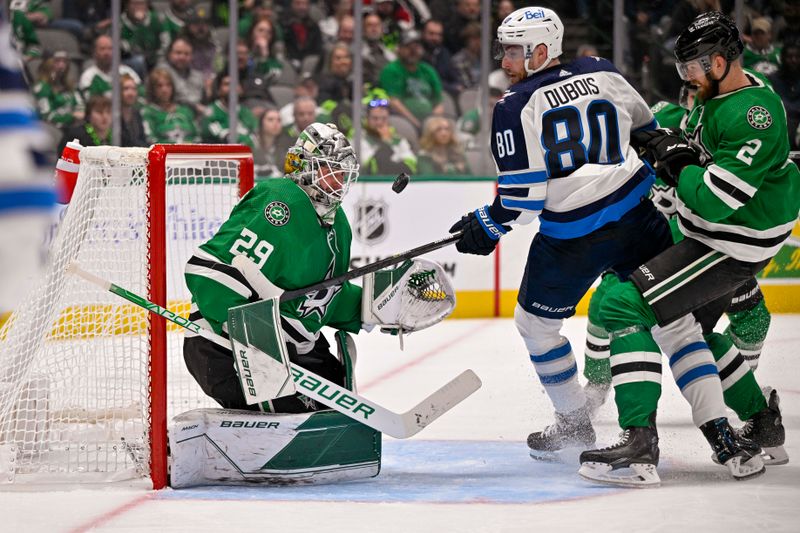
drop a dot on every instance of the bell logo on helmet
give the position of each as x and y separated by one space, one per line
531 15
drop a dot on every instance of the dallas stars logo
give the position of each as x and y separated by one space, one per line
317 302
277 213
759 118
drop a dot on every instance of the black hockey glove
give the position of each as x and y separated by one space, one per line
641 138
478 238
668 153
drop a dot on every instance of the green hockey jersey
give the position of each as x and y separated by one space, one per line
276 226
745 201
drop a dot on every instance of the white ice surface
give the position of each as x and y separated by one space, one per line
469 471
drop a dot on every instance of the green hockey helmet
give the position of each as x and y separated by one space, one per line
323 163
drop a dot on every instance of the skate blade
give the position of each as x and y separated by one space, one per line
751 468
637 476
568 455
774 456
545 457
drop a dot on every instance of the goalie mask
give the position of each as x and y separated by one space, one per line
323 163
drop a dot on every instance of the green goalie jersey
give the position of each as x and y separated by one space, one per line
276 226
745 201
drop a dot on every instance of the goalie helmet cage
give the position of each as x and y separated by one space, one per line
87 380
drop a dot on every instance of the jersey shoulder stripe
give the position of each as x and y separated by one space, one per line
220 273
524 177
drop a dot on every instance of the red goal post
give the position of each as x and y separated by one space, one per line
158 290
87 381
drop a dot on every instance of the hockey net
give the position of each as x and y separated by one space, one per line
87 380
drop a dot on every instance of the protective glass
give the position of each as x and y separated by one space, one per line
694 69
687 91
512 51
380 102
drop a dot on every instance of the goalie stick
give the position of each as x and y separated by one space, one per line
372 267
369 413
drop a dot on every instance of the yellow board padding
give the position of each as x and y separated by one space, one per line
782 298
88 321
480 304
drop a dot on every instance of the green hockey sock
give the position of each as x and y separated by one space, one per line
636 376
748 330
739 386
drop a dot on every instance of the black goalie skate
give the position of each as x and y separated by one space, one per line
765 428
740 455
637 451
570 430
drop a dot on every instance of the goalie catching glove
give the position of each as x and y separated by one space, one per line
668 152
414 295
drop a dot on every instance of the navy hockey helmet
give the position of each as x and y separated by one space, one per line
708 34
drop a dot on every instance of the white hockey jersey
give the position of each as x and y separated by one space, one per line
560 141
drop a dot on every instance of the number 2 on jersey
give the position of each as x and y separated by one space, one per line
563 129
250 243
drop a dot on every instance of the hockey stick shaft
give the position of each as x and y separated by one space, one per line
316 387
372 267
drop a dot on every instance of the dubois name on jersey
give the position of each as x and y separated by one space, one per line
562 149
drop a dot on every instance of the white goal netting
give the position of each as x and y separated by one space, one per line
75 386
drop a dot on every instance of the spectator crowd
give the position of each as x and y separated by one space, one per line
421 70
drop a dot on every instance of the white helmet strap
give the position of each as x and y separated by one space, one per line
529 55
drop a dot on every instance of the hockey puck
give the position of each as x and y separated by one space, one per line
400 182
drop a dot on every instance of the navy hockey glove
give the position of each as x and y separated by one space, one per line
480 233
667 151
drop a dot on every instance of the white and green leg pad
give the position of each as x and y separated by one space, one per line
259 351
346 350
232 447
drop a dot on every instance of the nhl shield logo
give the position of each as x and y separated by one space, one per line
371 224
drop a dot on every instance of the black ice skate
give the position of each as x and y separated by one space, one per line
740 455
636 451
765 428
570 430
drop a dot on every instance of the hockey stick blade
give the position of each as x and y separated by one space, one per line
441 401
316 387
369 413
